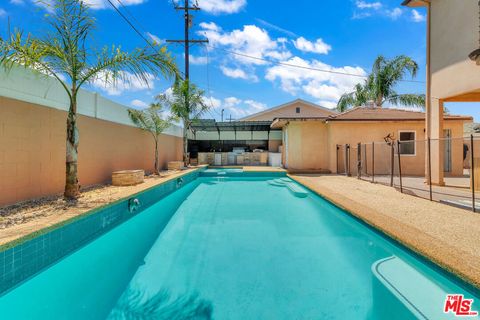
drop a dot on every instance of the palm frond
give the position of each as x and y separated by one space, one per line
150 119
408 100
114 65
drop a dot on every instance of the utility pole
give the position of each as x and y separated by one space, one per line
186 41
223 110
188 18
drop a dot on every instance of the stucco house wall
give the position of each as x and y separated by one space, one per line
312 144
307 145
454 35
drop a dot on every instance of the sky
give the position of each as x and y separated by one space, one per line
342 36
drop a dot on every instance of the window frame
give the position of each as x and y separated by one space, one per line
414 143
298 110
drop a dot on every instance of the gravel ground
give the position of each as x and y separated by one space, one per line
448 236
26 217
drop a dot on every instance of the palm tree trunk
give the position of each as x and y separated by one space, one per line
379 101
72 188
185 147
157 169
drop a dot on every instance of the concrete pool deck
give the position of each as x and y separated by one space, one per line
448 236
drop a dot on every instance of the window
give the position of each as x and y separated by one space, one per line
297 110
407 142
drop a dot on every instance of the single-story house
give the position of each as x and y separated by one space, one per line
314 143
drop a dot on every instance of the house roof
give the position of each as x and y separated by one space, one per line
370 114
330 111
386 114
414 3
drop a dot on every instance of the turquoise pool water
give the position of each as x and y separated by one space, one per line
236 248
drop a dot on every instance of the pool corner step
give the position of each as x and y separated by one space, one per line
402 292
296 189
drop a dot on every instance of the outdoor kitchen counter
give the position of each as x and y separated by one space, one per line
231 158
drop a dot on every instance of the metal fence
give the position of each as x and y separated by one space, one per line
407 165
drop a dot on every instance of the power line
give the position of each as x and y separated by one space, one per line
233 52
298 66
131 24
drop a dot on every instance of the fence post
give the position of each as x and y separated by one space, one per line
337 156
348 160
430 168
373 162
345 160
472 172
392 163
359 160
399 166
366 160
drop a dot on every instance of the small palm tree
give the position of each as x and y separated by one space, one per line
64 53
152 121
187 105
379 87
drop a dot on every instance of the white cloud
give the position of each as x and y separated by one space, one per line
238 73
251 41
3 13
327 104
222 6
155 38
212 102
324 86
368 5
417 16
198 60
394 13
307 46
129 83
255 106
235 107
366 9
231 102
139 104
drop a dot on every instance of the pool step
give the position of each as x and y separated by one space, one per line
297 190
400 291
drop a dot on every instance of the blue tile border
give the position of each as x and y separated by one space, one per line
21 259
249 174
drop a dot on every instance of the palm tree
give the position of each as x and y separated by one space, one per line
152 121
64 53
379 87
187 105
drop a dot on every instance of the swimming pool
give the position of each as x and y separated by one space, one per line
236 247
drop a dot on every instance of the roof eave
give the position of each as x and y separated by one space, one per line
415 3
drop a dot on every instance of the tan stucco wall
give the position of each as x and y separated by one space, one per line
307 145
289 111
454 35
312 144
32 150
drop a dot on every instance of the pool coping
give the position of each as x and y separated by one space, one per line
463 280
55 226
